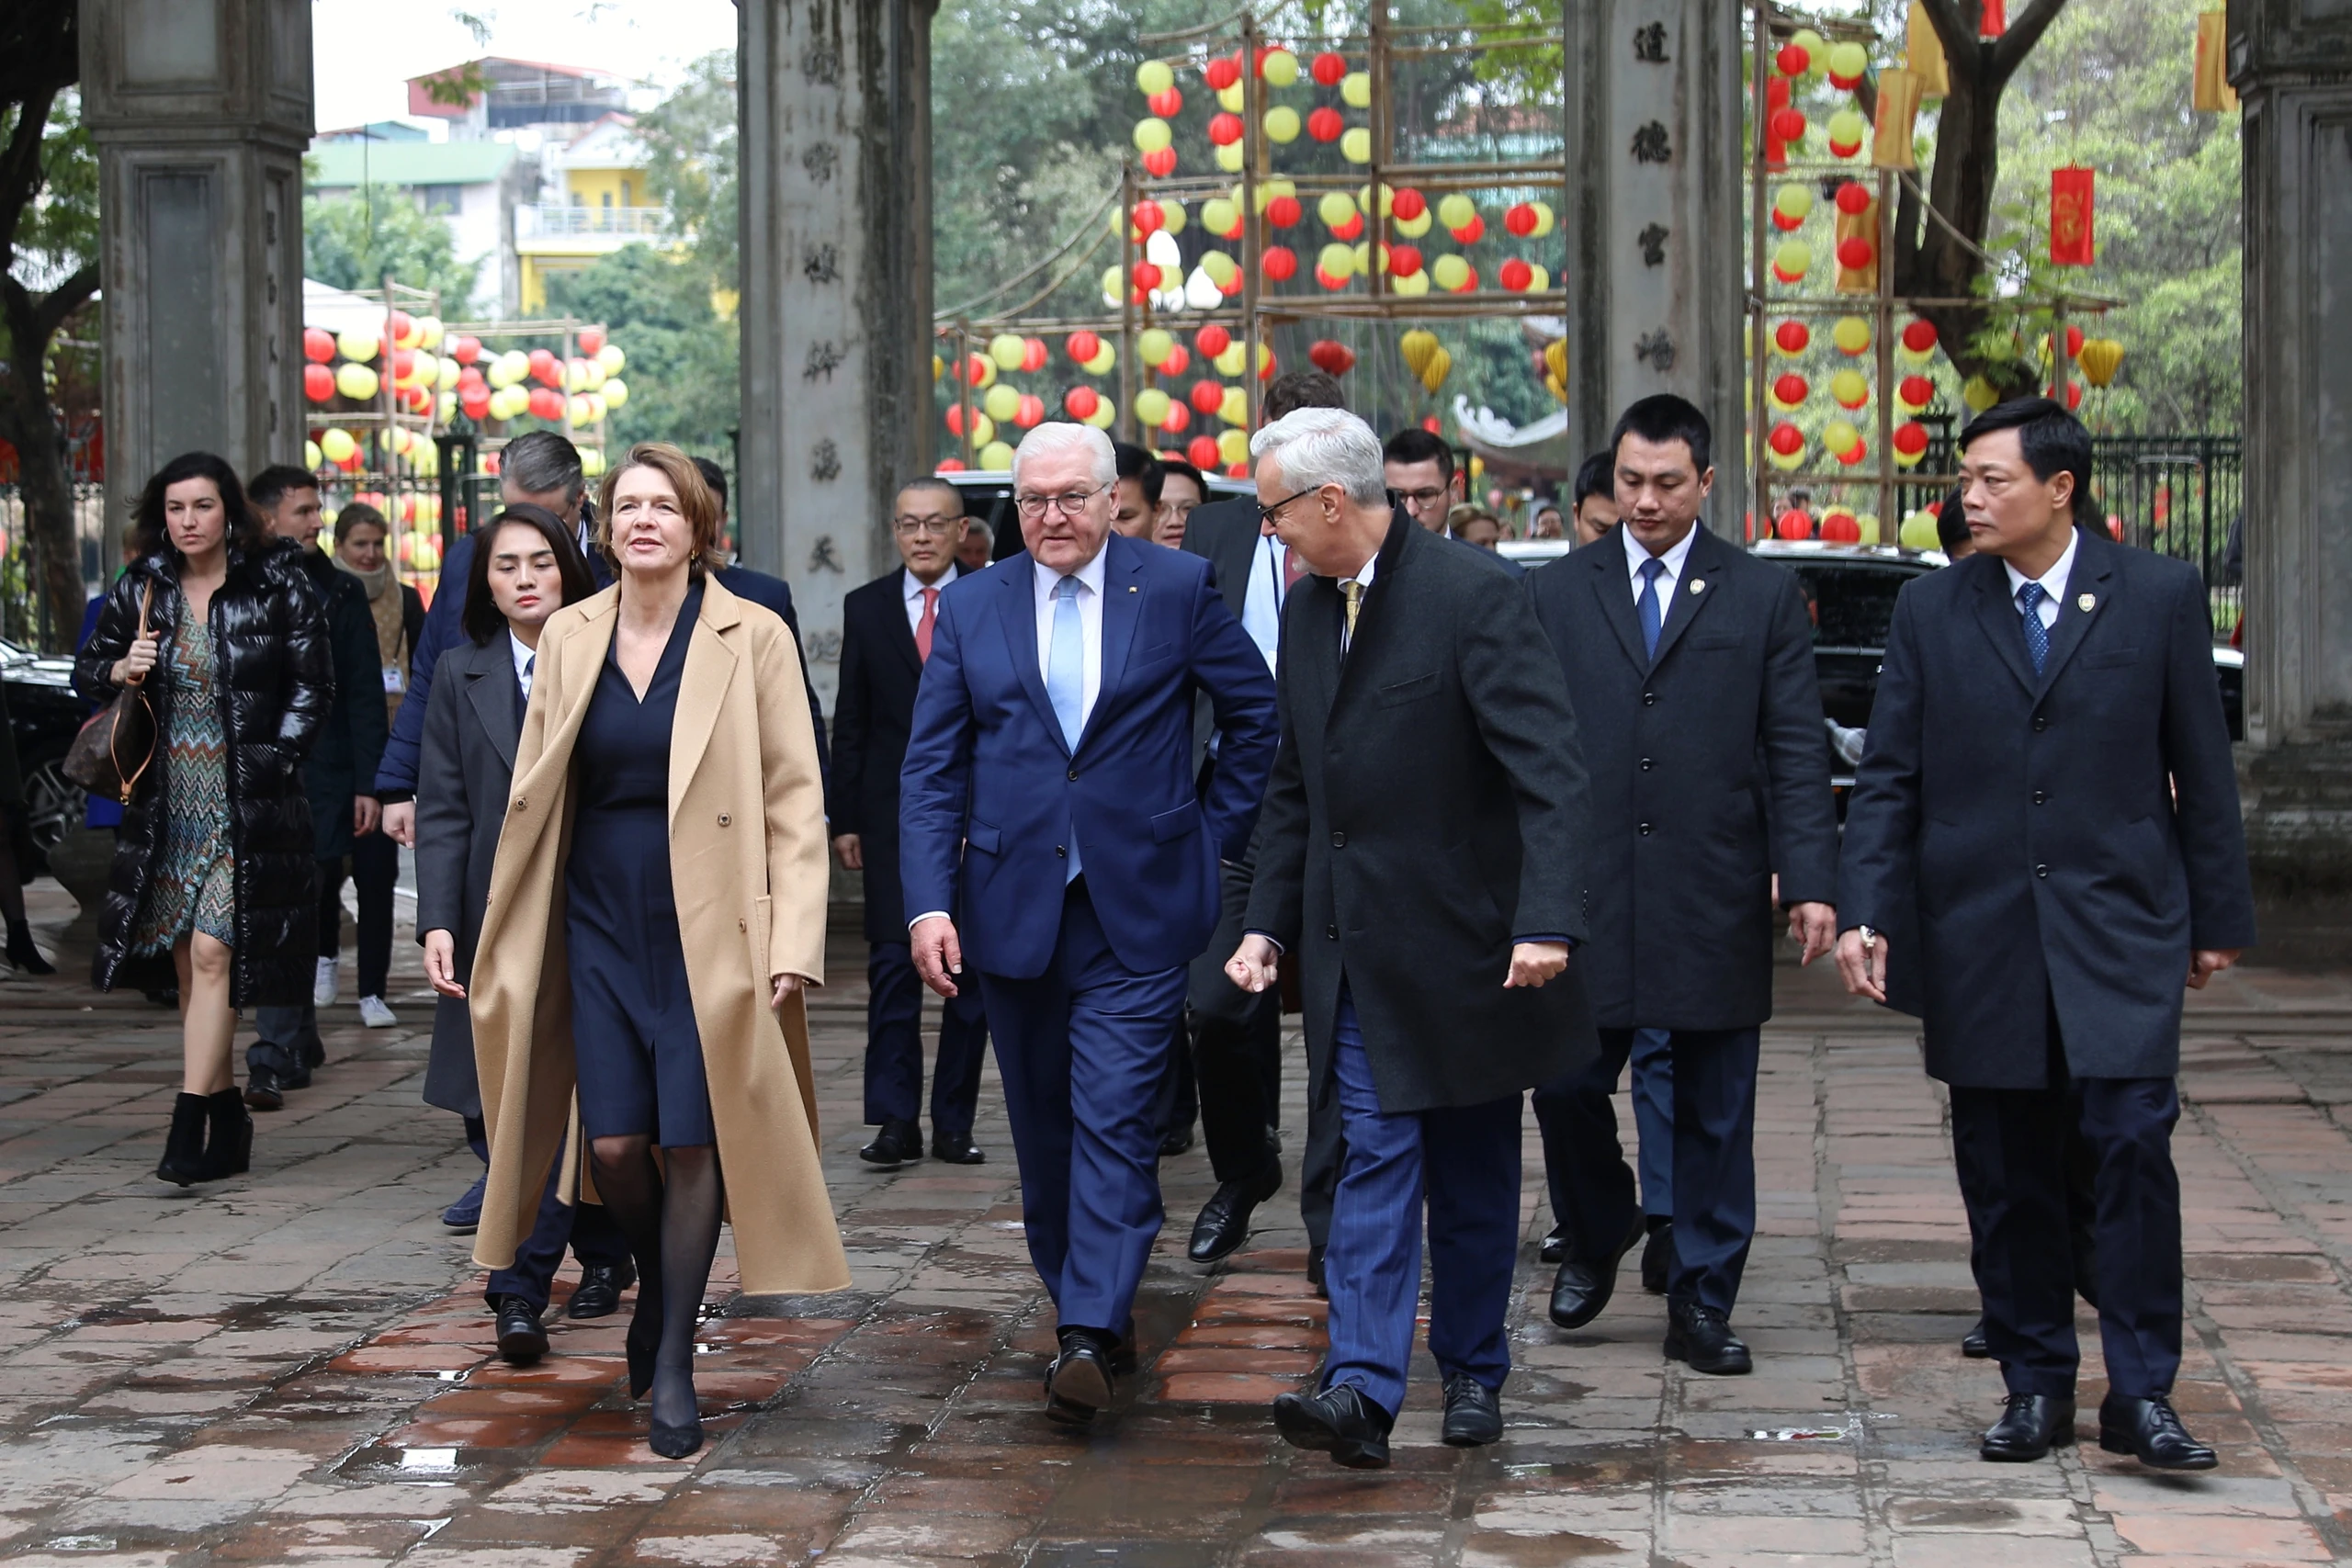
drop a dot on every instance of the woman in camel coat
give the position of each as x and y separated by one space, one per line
747 872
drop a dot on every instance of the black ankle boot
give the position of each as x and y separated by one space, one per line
182 1161
22 955
230 1150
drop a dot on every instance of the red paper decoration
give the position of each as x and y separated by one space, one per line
1853 199
1325 124
1792 336
1206 395
1223 72
1791 389
1787 439
1854 252
1520 219
1078 402
2070 216
1161 164
1225 129
1280 264
1919 336
1331 357
1167 104
1083 346
1283 210
1409 204
318 344
1328 69
1795 522
1201 452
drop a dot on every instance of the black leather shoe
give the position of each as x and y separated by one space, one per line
1556 1246
1340 1422
1658 1255
521 1340
1175 1141
1224 1223
957 1148
2150 1430
898 1143
1078 1383
314 1054
1973 1344
1315 1271
1473 1413
262 1090
598 1294
1702 1337
298 1078
2029 1427
1582 1289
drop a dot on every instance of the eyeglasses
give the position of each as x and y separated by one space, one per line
1266 514
1420 497
914 528
1071 503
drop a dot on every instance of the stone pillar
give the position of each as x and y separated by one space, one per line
200 111
2291 63
836 297
1656 270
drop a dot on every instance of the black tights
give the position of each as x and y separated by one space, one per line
670 1214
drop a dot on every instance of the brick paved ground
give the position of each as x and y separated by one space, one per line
292 1368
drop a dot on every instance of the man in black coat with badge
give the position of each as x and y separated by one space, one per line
1420 857
1691 665
2046 819
886 637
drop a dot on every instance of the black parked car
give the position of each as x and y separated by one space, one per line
45 714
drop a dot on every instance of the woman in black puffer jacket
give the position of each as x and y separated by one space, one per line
213 863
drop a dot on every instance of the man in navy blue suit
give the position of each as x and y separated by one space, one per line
2044 844
1048 800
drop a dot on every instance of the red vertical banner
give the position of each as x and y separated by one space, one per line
2070 217
1995 19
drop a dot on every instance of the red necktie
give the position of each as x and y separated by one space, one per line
922 626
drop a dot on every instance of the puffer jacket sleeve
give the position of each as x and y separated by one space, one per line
307 671
118 625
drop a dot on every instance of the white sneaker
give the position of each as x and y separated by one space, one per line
322 987
375 1014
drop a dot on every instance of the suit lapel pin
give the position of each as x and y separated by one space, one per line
1133 589
1698 585
2086 604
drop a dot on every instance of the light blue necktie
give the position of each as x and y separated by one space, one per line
2037 635
1065 680
1647 606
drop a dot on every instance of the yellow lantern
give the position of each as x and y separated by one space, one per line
1154 76
1171 216
1234 409
616 392
1280 69
1221 216
1849 388
611 357
428 331
1229 157
1848 60
1105 357
313 458
1152 345
1851 335
1336 209
358 344
1233 445
1355 145
1413 228
1433 373
2100 359
1539 276
1545 219
1411 288
1151 406
1337 259
1001 403
337 445
1817 50
1355 89
996 455
1416 347
1230 100
1978 393
1838 437
1233 360
1869 524
446 376
578 411
591 461
1793 202
1105 414
356 382
1455 210
1848 129
1556 358
1790 260
1222 269
1152 133
1449 272
1282 123
1007 349
1919 532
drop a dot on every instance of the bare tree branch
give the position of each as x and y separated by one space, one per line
2023 35
20 169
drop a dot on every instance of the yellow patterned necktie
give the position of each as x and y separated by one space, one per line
1352 592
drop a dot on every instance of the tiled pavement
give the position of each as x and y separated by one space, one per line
292 1368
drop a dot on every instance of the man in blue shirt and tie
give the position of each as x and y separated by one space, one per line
1054 850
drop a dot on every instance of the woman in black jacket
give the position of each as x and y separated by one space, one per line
213 864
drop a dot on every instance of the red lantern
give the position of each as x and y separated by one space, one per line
1328 69
1917 390
1161 164
1149 218
1212 340
1223 72
591 341
1031 412
949 466
1470 233
543 367
1854 453
1409 204
974 369
1330 280
1266 371
469 378
1775 93
1333 358
1034 354
475 400
1919 336
1201 452
1469 282
1794 524
1515 275
2073 394
1206 396
318 344
1787 439
404 364
1078 402
1785 223
1167 104
1146 275
1520 219
1794 60
1994 20
1351 229
1280 264
1177 419
1841 529
1283 210
1325 124
1179 360
1404 261
1854 252
1910 438
318 383
1790 388
1788 124
1225 129
1853 199
1430 424
1791 336
547 403
399 327
466 350
2074 343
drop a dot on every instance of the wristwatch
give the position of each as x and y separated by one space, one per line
1870 938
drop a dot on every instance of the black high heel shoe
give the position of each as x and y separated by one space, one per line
675 1442
22 955
644 1340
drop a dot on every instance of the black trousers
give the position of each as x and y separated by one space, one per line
585 1228
375 867
894 1046
2010 1148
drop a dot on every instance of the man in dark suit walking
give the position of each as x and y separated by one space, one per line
1237 1036
1420 858
1691 665
886 631
1051 832
2046 819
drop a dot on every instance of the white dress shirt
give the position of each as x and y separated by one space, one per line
2053 582
524 653
1262 604
1673 559
914 587
1363 575
1090 620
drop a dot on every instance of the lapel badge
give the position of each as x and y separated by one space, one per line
1698 585
2086 604
1133 589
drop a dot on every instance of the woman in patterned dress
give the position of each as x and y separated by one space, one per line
213 862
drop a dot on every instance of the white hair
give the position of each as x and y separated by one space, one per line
1323 447
1061 435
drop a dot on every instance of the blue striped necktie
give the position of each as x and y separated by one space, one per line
2037 635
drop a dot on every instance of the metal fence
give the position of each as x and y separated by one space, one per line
23 620
2181 496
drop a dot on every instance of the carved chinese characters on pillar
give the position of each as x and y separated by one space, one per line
825 461
822 266
1657 349
1649 43
1651 146
822 160
825 555
825 356
1651 240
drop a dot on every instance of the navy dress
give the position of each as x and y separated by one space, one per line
639 1052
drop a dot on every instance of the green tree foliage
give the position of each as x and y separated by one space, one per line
682 369
353 242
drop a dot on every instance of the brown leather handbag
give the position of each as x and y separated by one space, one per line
117 746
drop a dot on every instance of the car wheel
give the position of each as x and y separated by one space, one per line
54 806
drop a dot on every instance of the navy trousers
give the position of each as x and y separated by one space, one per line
1083 1050
587 1228
1713 1157
1462 1162
894 1046
2010 1148
1653 1062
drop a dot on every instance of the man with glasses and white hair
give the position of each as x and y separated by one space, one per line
1054 853
1421 860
